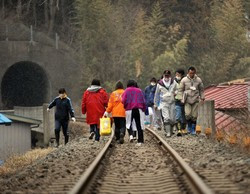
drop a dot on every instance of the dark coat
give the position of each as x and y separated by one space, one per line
63 108
149 95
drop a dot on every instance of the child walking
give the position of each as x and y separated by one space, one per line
116 107
135 106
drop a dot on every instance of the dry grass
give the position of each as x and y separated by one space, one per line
17 162
239 137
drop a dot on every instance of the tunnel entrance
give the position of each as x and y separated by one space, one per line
24 84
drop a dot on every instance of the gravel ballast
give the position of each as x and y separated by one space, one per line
65 162
206 154
201 153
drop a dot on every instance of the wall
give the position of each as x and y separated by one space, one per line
206 118
31 112
60 66
39 113
14 139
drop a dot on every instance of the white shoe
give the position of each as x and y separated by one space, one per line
138 144
168 135
131 138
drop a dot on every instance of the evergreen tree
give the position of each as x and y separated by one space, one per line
157 30
172 59
94 35
230 46
141 50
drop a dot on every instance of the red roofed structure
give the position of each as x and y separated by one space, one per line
226 122
230 99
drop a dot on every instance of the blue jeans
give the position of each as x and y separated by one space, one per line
94 128
180 114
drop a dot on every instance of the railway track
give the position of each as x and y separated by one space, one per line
86 166
153 167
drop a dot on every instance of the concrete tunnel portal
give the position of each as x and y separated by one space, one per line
24 84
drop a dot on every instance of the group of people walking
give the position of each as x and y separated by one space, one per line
169 101
175 101
127 108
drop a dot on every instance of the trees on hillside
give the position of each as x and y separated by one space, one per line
49 16
228 55
122 39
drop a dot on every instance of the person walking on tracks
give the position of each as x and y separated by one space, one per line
149 96
179 106
63 109
116 107
135 106
165 101
192 91
157 113
94 102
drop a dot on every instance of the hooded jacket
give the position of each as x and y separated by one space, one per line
115 104
191 89
165 94
94 101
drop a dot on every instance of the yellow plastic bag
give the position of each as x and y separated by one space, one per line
105 126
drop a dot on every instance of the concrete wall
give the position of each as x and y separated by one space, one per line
40 113
31 112
14 139
206 118
60 65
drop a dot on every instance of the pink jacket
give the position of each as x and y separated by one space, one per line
133 98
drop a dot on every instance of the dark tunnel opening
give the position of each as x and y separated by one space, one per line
24 84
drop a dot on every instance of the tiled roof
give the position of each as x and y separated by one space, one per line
226 122
228 96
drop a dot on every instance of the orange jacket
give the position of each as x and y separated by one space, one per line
115 104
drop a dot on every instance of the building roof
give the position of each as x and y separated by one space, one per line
23 119
4 120
227 122
228 96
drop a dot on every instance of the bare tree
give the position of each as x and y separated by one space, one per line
19 9
52 11
46 14
34 12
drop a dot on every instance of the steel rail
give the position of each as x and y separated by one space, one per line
197 183
85 179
